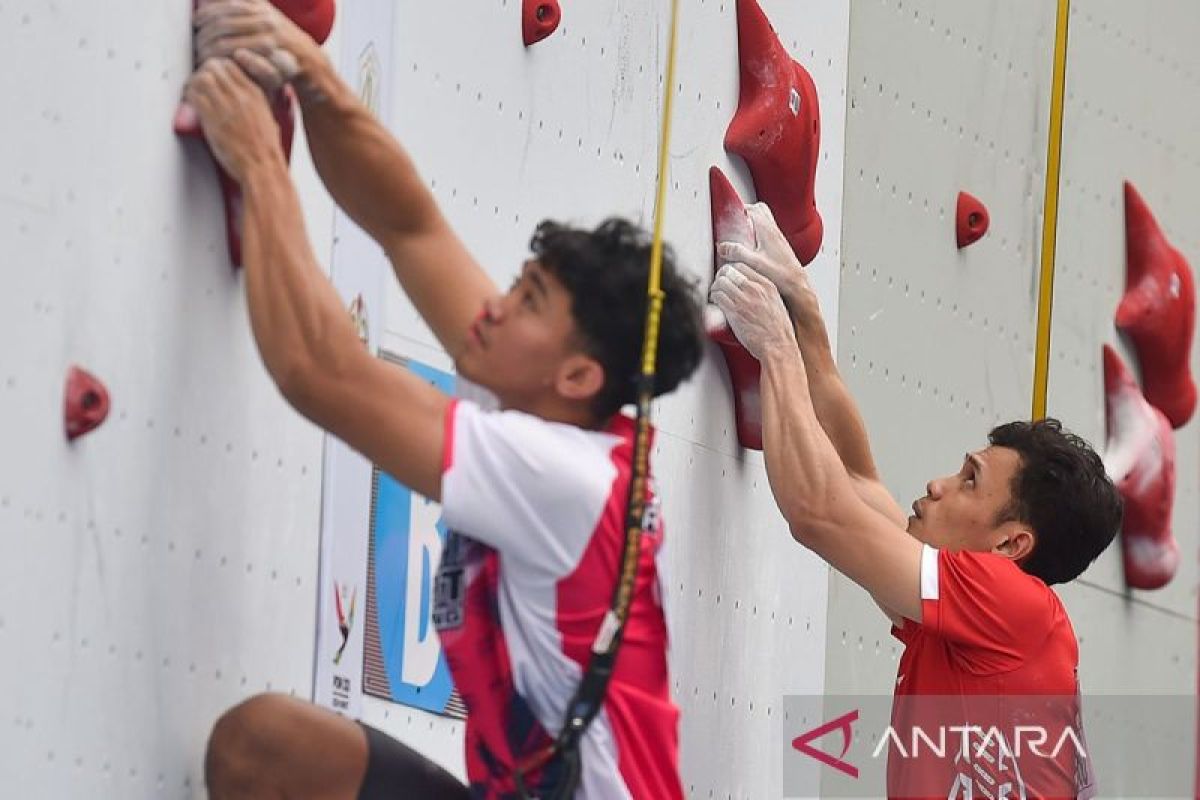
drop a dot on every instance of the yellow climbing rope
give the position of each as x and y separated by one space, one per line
1041 365
635 507
654 309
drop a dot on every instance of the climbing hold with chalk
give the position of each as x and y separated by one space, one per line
316 18
539 19
1158 311
231 193
1140 459
777 130
731 224
971 220
85 403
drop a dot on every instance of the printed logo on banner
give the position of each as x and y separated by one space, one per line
403 660
344 607
368 78
358 315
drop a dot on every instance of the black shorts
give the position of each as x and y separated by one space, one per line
397 772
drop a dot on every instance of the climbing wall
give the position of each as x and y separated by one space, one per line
1122 123
163 567
939 344
166 566
936 343
1117 131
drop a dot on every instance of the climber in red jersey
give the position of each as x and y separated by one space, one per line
535 492
965 579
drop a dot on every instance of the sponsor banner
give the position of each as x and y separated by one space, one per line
359 269
403 658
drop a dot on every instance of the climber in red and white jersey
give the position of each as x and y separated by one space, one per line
520 599
965 579
535 493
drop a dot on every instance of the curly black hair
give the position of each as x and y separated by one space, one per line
1062 491
606 271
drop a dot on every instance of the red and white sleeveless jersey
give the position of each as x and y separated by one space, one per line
536 511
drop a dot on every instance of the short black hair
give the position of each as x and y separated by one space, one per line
606 271
1063 492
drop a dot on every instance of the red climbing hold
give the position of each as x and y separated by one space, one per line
539 19
231 192
777 130
1158 311
971 220
731 224
85 403
1140 458
316 18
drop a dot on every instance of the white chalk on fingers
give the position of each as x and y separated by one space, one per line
285 62
719 294
726 249
258 67
724 284
714 318
737 273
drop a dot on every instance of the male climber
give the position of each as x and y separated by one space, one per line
535 491
965 579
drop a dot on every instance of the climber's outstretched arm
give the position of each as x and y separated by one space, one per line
811 485
307 341
362 165
834 406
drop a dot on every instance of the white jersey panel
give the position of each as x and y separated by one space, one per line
530 489
535 491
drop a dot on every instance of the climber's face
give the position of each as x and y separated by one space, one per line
968 510
525 348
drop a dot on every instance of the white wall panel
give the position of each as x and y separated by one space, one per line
162 568
1128 70
936 343
1123 122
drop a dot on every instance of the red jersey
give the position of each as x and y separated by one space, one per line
537 514
991 671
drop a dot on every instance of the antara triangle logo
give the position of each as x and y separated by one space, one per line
844 723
